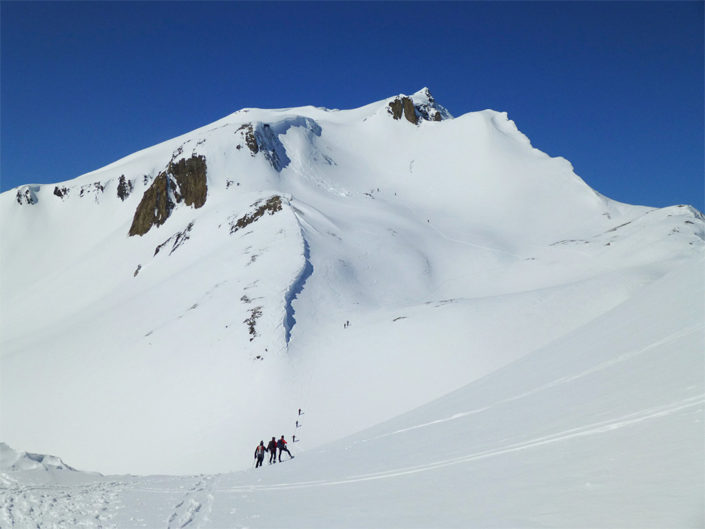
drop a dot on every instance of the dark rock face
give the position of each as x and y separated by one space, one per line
61 192
154 208
271 206
183 181
251 141
396 108
403 106
248 133
409 110
124 188
190 175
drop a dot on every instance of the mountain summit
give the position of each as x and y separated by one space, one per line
163 313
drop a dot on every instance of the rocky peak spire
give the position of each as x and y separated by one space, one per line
421 106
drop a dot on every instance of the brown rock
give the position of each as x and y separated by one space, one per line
403 107
154 208
186 179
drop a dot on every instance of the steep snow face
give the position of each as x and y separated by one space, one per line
173 308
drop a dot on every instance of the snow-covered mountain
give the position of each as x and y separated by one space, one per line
389 265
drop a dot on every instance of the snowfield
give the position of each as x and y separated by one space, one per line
475 336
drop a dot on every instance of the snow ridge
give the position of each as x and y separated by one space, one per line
297 287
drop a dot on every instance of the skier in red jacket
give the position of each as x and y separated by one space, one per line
281 444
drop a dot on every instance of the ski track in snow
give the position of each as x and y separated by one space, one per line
194 508
563 380
590 429
94 505
490 249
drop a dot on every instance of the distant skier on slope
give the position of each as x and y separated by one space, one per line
281 444
259 454
272 449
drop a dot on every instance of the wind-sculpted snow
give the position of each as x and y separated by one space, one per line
263 138
356 266
11 460
296 288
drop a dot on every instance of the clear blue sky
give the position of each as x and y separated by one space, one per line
616 88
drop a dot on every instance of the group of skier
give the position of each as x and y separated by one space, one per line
271 447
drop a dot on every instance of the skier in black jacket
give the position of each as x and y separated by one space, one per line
272 449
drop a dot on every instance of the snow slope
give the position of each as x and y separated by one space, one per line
499 311
602 428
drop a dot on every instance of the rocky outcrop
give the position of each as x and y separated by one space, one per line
248 134
27 195
95 189
154 208
403 106
90 188
260 138
251 322
431 111
177 240
190 176
61 192
124 188
426 108
271 206
183 181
